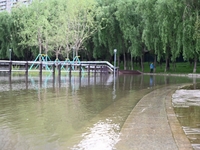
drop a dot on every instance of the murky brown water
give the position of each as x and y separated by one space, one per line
72 114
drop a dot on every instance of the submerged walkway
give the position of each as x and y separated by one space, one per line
153 125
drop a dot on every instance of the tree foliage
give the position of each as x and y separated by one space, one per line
166 29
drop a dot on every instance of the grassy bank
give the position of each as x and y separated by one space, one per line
181 68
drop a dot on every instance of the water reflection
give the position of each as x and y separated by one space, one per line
187 108
102 136
114 88
151 81
70 112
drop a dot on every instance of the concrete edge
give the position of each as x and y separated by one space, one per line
179 136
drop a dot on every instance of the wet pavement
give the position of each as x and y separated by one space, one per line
153 124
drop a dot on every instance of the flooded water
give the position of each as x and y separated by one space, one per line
76 114
187 108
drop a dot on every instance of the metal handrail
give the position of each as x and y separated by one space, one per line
83 63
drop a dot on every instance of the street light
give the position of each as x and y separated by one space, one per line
10 50
114 91
115 51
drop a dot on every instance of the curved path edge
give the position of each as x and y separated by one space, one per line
153 125
179 136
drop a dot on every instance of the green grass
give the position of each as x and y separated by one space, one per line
182 68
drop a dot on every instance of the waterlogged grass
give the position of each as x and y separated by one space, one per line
35 72
192 87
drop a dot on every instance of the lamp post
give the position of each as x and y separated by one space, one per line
10 50
115 51
114 94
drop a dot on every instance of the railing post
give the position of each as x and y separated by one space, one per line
106 69
88 74
53 69
95 69
59 70
53 73
10 68
59 75
80 76
40 68
70 71
26 73
88 70
10 82
80 70
40 73
117 71
26 68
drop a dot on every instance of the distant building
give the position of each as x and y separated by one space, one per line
8 4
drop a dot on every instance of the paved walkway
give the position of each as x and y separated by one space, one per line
153 125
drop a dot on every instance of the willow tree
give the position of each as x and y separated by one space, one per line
168 19
130 23
150 33
57 21
191 43
33 24
109 35
5 34
80 22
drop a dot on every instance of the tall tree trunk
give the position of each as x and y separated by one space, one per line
125 66
76 52
76 67
118 61
132 68
155 60
142 65
195 65
174 66
167 66
40 44
57 55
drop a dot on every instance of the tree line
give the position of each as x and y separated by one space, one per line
165 29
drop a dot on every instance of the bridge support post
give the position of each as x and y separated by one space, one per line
95 70
101 70
106 69
59 70
40 73
26 73
70 71
26 68
80 75
88 70
10 68
59 74
53 72
80 70
88 74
